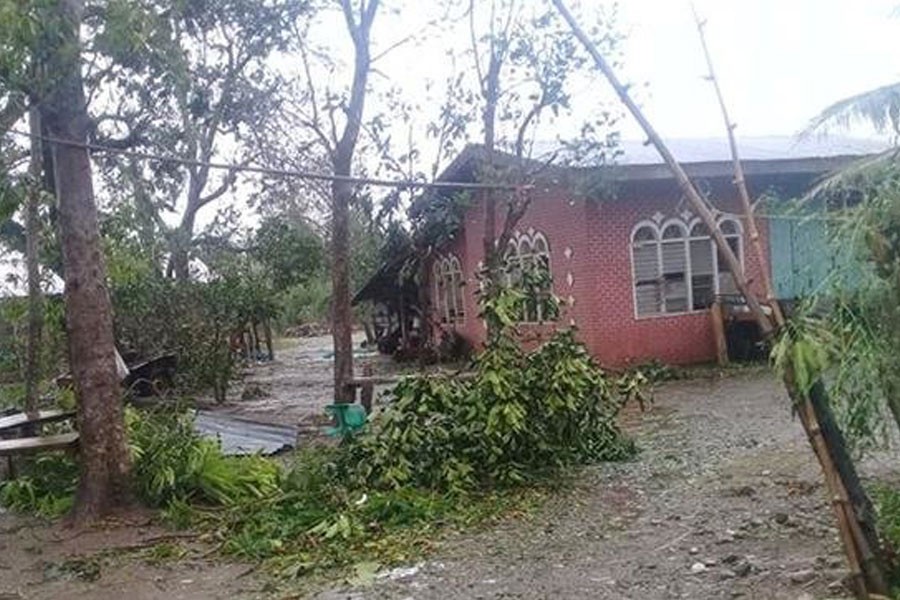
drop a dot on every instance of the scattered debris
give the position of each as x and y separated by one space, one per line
400 572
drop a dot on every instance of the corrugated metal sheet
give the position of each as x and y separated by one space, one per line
243 436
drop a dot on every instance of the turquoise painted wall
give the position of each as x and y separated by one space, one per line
804 260
801 257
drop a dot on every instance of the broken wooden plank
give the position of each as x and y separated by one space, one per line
17 420
31 445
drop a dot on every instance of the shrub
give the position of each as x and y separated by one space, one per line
887 506
46 488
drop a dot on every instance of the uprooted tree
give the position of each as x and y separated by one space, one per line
851 505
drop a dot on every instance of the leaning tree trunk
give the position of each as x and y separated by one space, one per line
847 495
104 482
32 247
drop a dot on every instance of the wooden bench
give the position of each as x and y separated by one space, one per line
20 446
32 445
368 381
17 420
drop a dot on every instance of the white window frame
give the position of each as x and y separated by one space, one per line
523 245
447 282
686 228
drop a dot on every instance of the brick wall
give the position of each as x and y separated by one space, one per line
590 260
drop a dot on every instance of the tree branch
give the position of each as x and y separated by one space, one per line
227 182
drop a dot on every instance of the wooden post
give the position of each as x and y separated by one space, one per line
267 331
367 390
717 318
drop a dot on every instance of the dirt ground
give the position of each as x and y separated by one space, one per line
295 388
723 501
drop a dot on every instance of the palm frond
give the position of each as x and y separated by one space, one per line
879 107
868 170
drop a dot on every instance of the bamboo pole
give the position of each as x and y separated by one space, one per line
740 181
854 543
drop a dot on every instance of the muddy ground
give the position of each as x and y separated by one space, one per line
723 501
295 388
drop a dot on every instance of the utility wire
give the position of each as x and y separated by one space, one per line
410 184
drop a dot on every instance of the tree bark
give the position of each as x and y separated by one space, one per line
267 331
493 262
341 310
104 482
342 196
32 248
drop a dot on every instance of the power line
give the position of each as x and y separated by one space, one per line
354 180
277 172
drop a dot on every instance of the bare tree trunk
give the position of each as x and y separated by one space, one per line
104 484
32 248
180 243
848 497
257 353
341 310
424 300
342 196
493 262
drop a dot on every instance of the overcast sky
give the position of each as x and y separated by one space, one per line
778 61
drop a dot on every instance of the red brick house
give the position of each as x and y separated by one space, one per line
633 267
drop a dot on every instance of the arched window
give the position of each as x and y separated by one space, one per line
703 267
677 267
528 268
448 282
645 257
